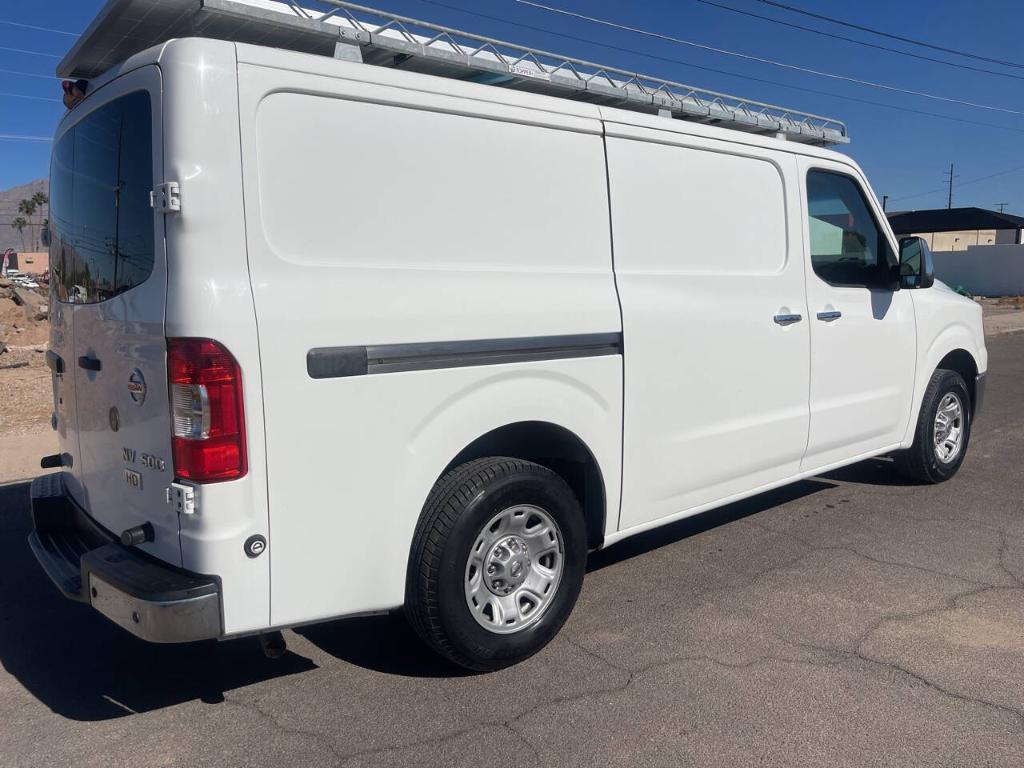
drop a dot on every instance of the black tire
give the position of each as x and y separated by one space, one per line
919 462
454 515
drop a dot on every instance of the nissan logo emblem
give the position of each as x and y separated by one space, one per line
137 387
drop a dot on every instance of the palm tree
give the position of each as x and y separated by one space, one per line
19 223
41 199
28 208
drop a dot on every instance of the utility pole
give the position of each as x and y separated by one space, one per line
949 204
885 201
1001 206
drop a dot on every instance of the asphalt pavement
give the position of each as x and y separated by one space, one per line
849 620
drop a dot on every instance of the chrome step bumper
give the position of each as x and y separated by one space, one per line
149 598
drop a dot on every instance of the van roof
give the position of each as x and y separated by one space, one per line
124 28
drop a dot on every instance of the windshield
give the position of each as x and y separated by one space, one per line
101 176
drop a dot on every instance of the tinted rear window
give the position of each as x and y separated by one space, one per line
102 223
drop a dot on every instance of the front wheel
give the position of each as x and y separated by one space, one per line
943 430
496 563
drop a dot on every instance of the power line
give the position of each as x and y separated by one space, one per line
763 60
977 180
15 137
726 72
864 43
27 74
40 29
992 176
23 96
891 36
918 194
31 53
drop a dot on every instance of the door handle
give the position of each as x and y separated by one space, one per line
787 319
54 362
828 317
89 363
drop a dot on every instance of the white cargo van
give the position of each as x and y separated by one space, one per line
333 338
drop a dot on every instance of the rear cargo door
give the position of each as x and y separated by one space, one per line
115 284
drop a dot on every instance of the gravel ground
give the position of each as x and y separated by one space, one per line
26 394
17 329
1004 315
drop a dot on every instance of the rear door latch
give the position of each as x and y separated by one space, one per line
182 497
166 197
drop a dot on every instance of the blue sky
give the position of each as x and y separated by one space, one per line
904 153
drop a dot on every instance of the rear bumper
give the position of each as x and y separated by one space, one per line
151 599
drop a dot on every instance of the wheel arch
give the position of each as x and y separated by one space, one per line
955 347
963 362
560 450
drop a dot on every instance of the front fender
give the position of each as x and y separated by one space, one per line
954 336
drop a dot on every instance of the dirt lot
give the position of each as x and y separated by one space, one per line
1004 315
22 325
25 391
1007 302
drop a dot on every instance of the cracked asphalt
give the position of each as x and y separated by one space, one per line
846 620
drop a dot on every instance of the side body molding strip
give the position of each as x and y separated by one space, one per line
338 362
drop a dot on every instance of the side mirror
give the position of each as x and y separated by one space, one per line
44 237
917 269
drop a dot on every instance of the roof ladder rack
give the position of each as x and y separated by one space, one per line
356 32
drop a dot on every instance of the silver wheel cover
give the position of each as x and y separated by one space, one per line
514 569
948 429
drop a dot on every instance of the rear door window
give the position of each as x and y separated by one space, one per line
135 242
102 175
94 197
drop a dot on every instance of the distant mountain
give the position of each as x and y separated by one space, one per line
9 199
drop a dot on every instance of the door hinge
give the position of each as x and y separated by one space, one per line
166 198
182 497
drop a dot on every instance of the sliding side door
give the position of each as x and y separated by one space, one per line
709 267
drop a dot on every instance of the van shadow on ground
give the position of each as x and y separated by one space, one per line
85 668
388 644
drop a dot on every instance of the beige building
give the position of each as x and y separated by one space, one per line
957 229
962 240
31 263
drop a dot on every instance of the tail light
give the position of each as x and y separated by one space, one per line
206 411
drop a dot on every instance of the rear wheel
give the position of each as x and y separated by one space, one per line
943 430
497 562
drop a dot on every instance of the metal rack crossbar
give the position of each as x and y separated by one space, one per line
359 33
